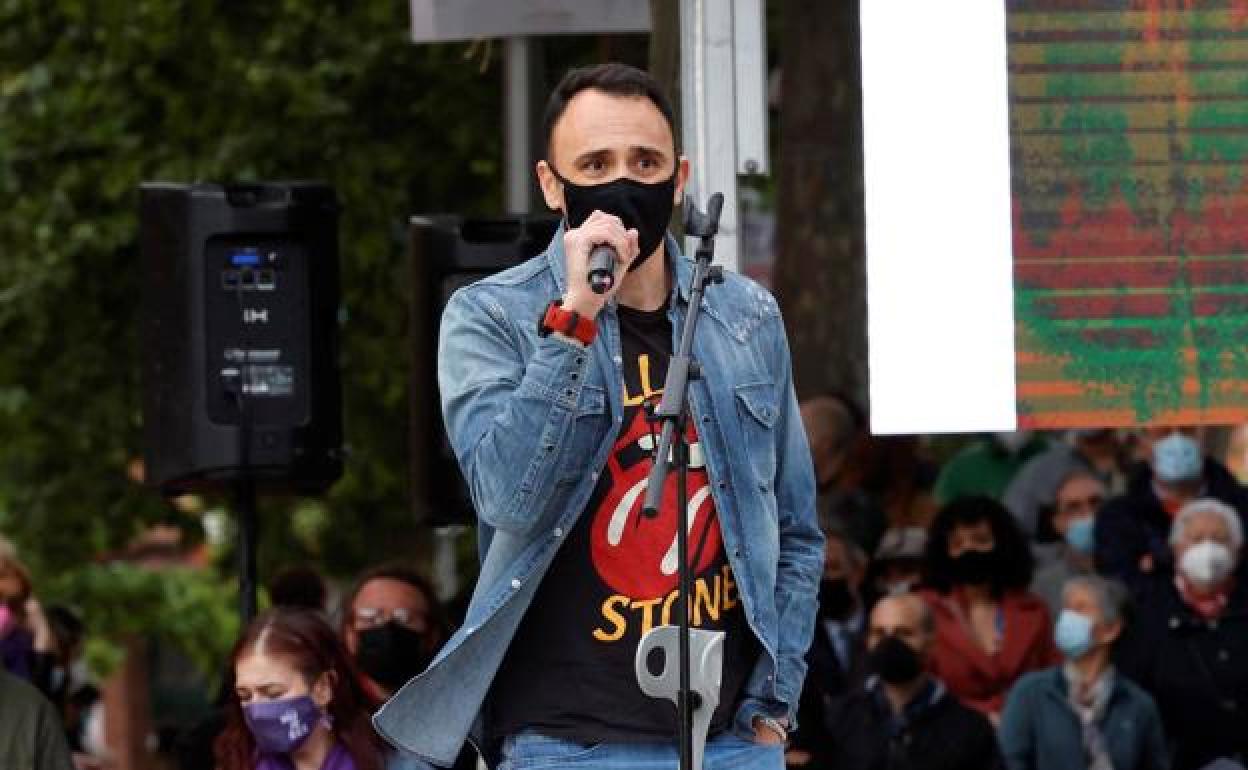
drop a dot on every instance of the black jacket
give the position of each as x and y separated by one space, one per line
1135 523
828 678
942 735
1196 670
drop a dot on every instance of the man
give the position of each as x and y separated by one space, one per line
1079 497
987 465
544 386
904 718
31 735
835 429
1132 530
392 625
836 657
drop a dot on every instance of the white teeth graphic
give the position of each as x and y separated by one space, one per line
670 560
619 517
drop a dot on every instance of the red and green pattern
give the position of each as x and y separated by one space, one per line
1129 138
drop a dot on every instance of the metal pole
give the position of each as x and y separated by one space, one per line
517 125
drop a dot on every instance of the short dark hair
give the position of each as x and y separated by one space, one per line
611 78
404 574
1013 552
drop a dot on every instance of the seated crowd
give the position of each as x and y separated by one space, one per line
1061 602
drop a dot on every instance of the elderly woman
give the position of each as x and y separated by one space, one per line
1083 715
1191 649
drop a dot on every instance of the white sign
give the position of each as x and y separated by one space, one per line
939 253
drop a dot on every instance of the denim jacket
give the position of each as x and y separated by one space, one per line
532 420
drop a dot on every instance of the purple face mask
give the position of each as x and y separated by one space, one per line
281 726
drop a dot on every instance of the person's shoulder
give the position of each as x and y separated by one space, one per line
17 693
532 279
740 298
1033 683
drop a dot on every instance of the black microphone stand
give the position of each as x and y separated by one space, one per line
673 447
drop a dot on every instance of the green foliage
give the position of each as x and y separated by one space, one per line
188 609
96 97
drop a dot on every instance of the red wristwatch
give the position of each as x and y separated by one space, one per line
570 322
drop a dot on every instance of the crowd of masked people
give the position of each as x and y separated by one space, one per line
1038 602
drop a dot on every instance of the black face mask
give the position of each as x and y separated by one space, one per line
894 661
836 600
645 207
976 567
392 654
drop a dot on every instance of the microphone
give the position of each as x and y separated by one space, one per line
602 268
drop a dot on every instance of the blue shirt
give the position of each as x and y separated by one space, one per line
532 420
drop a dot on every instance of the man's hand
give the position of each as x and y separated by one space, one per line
578 242
766 735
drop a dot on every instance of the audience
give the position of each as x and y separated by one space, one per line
1083 715
903 718
1078 498
835 661
1131 530
990 629
297 702
987 465
1191 650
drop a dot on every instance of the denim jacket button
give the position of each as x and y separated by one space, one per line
558 531
515 582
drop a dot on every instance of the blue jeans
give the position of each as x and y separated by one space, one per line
726 751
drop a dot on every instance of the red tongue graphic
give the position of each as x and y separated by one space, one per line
633 554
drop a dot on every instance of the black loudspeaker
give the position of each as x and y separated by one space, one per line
240 306
449 252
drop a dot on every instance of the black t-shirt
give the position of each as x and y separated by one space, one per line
569 671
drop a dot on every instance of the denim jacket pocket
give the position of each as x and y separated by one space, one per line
758 409
585 433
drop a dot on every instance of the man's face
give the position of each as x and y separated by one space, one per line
384 599
600 138
899 616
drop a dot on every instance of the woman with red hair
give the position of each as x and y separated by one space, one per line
297 704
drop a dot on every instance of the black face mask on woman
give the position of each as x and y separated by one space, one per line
647 207
976 567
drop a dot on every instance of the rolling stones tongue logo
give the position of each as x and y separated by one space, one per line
636 555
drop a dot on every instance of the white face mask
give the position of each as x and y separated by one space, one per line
1206 564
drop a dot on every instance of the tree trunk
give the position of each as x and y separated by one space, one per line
820 270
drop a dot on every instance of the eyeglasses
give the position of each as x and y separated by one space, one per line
364 618
1091 504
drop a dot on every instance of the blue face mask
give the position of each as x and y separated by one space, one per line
1073 634
1081 535
1177 458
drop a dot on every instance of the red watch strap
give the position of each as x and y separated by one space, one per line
569 322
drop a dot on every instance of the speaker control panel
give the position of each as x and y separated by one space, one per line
257 330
